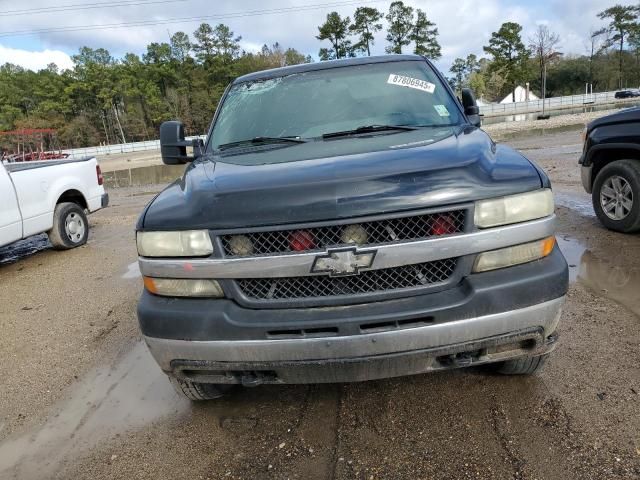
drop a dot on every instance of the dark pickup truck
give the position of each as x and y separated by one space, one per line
611 169
347 221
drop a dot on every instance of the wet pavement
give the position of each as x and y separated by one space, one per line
83 399
106 403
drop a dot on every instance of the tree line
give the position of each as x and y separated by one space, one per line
404 27
103 99
107 100
612 59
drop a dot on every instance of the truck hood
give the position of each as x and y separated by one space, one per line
341 178
623 116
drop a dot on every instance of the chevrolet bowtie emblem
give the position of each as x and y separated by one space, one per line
343 261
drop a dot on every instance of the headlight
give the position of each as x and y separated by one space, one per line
188 243
514 208
507 257
174 287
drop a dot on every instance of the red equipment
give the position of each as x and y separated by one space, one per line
30 145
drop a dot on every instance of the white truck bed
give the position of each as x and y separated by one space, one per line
30 191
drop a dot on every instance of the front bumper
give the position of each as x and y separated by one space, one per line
473 341
487 317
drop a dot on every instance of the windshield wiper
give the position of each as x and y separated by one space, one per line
368 129
261 141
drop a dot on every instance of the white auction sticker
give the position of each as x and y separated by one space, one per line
411 83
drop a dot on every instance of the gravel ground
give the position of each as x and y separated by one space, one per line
82 398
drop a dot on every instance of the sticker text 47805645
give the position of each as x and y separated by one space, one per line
410 82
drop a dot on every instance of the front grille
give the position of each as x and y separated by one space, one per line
371 281
377 232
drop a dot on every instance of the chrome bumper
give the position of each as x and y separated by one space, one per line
540 321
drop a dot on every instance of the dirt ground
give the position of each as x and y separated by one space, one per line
81 397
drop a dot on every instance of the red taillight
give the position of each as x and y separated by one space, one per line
301 240
99 175
443 225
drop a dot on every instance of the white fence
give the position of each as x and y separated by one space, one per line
552 103
119 148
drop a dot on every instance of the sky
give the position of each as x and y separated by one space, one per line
464 25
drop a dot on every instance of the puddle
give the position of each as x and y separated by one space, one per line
108 402
23 248
133 271
139 176
572 251
578 203
534 132
615 282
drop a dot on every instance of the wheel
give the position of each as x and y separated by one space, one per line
616 196
199 391
520 366
70 227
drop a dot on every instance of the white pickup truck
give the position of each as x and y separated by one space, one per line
50 196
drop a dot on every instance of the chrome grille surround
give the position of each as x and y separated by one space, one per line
379 232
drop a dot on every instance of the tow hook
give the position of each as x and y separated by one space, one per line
462 360
252 379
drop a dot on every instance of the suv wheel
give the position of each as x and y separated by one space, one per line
70 226
199 391
616 196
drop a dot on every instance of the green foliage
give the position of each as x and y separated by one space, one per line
336 30
400 28
463 70
509 55
623 23
425 37
365 24
105 100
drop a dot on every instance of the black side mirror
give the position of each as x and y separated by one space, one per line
470 105
173 145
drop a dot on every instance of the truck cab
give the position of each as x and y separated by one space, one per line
347 221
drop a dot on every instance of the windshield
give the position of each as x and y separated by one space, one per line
311 104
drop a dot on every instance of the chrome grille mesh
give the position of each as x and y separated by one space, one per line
371 281
377 232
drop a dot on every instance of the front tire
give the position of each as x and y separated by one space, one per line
199 391
70 226
616 196
521 366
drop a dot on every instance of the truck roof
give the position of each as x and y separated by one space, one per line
311 67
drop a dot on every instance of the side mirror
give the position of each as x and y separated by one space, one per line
173 145
470 105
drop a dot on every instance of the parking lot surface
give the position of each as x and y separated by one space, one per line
81 397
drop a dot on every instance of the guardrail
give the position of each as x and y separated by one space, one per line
551 103
130 147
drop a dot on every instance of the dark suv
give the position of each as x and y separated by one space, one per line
611 169
347 221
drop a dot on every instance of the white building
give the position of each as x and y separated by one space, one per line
521 95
